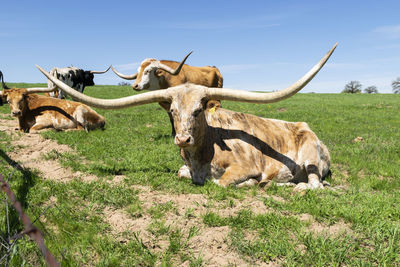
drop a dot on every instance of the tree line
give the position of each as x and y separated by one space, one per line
354 87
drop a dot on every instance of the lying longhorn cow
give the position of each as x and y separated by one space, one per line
74 77
161 74
36 112
232 147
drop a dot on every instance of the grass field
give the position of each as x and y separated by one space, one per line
355 222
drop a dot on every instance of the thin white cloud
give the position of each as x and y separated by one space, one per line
345 65
389 31
222 26
129 66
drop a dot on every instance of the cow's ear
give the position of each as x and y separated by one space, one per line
159 72
165 105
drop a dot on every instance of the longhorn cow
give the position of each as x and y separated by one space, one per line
74 77
36 112
155 74
232 147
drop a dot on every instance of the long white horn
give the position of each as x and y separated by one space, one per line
246 96
40 89
99 72
123 76
135 100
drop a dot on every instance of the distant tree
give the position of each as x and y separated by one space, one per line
123 83
371 90
352 87
396 86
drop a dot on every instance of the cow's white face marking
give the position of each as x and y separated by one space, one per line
149 79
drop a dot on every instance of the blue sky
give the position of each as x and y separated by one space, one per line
257 45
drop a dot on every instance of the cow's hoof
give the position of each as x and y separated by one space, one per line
248 183
184 172
325 183
308 186
286 184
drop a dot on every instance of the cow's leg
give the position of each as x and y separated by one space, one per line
239 176
184 172
314 157
37 127
80 118
41 122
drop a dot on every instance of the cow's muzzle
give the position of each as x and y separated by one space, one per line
16 113
136 87
184 140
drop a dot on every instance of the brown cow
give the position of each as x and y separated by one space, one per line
232 147
36 112
156 74
161 74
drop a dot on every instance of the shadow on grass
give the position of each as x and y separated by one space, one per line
28 181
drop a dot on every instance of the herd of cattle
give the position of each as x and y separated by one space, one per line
231 148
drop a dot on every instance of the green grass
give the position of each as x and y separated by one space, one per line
137 143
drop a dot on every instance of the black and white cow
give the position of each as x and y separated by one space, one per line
74 77
3 85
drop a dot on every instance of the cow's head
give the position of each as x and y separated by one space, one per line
189 108
16 97
151 74
88 76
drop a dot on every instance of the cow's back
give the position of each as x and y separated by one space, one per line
206 76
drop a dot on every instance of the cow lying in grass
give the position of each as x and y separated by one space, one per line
232 147
36 112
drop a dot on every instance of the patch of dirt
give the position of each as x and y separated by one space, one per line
120 222
117 179
210 243
255 205
31 149
320 228
358 139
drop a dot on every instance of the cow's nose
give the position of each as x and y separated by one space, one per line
183 140
135 87
16 113
198 182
